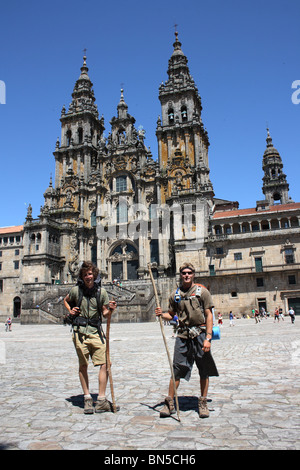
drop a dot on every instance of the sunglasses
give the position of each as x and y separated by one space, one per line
189 273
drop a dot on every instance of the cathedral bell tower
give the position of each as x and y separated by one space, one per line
183 144
81 130
182 140
275 186
73 202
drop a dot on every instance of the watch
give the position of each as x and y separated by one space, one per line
208 339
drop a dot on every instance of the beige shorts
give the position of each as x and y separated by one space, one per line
89 346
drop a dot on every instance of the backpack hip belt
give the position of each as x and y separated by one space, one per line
193 332
82 321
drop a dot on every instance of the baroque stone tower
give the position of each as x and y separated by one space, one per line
275 186
183 155
182 140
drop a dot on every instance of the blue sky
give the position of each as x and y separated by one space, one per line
243 56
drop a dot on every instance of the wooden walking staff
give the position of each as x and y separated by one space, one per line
108 364
165 341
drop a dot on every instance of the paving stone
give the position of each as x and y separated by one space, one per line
254 404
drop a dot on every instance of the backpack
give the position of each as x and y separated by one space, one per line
196 293
77 321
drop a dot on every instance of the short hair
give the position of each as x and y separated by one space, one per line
187 265
86 266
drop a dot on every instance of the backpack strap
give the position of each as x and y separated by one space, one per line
97 296
80 296
177 296
196 293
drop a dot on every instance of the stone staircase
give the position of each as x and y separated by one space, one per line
135 299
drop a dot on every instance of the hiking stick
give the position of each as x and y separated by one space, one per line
108 364
165 341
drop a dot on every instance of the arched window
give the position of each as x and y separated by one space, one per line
122 213
121 137
117 250
277 198
94 255
171 116
121 183
184 116
154 251
80 135
69 135
93 219
245 227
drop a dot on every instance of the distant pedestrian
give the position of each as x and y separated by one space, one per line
276 315
263 312
256 316
292 314
281 314
231 319
8 324
220 319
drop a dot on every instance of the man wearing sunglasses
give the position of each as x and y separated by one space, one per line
193 304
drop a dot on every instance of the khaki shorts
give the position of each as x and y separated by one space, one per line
89 346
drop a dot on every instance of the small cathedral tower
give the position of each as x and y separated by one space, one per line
275 186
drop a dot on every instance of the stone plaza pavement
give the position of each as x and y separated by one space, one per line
254 403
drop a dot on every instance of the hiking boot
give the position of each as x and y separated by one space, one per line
203 410
168 408
102 405
88 406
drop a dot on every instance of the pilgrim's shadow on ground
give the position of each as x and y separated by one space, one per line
186 403
78 400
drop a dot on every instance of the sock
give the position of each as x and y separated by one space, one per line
87 396
101 397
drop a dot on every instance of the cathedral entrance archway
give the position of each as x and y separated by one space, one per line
17 307
124 261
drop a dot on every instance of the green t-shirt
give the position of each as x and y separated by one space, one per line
88 308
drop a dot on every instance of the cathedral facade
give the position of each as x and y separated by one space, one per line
113 203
